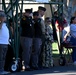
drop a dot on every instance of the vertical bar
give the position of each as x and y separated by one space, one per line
51 9
60 10
16 44
12 38
20 20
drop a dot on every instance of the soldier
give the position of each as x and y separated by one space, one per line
41 11
37 40
27 37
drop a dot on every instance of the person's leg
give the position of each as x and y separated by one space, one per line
36 52
27 48
73 40
47 55
3 51
42 48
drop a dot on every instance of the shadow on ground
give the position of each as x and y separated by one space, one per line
53 70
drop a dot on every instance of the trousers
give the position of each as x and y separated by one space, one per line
36 52
73 42
26 44
3 51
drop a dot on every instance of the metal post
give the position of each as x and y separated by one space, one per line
16 43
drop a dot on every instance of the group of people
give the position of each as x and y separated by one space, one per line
69 36
64 32
36 38
35 31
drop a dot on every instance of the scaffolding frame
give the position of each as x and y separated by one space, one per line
14 5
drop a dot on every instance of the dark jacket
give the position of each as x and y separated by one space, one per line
27 27
37 27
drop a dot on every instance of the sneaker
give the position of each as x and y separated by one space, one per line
4 72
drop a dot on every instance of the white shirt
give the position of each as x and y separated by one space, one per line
4 34
65 30
73 29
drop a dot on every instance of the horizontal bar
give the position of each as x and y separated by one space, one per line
39 3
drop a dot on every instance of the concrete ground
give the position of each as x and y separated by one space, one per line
56 70
68 69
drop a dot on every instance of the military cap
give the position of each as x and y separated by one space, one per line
42 8
35 13
28 10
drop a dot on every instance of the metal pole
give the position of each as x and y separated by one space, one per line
16 44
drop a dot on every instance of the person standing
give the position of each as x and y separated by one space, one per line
41 11
47 50
37 42
73 37
4 41
27 35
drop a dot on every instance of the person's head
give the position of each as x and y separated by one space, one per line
35 14
55 13
73 20
48 20
28 12
65 23
41 10
2 16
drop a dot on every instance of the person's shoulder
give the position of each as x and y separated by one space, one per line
39 19
73 26
4 24
24 18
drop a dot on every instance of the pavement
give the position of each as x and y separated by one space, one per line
56 70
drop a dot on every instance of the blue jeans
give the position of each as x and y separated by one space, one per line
73 41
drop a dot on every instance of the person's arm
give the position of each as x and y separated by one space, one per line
43 26
0 24
68 31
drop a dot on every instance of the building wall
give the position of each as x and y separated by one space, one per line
48 11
